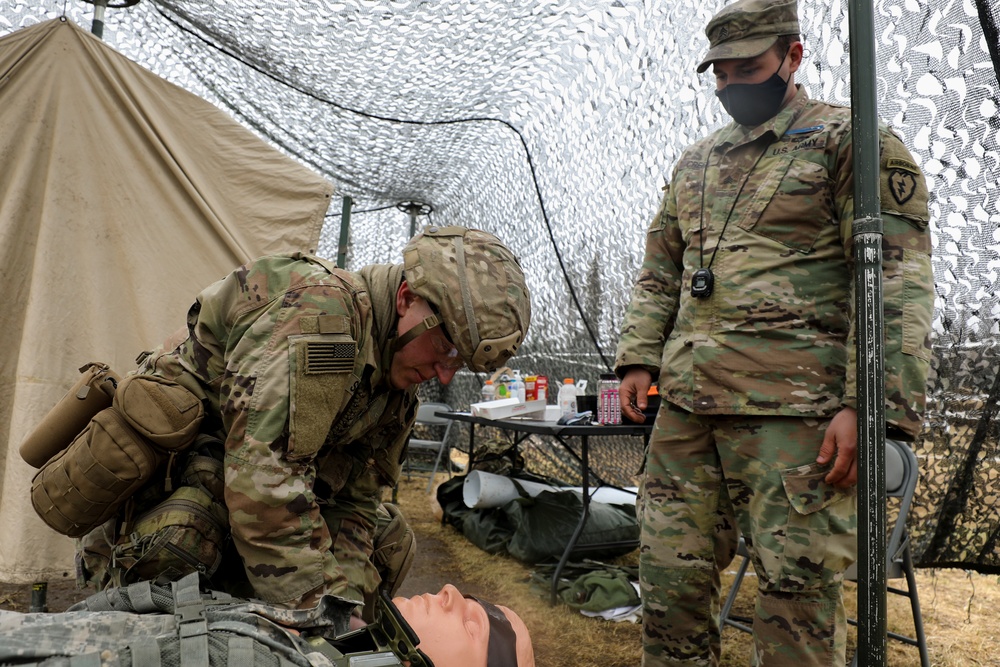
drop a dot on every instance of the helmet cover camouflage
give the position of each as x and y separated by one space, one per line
748 28
476 285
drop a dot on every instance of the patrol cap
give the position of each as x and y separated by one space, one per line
748 28
476 286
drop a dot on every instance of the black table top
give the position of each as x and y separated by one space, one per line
526 425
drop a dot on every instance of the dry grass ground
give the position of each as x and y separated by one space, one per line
958 607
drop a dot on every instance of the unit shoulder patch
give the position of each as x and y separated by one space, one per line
903 190
902 185
905 165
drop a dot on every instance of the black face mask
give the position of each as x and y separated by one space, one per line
751 104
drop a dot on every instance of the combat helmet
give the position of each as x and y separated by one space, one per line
476 287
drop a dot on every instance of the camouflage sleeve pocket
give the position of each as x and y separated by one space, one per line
320 375
659 221
807 492
918 303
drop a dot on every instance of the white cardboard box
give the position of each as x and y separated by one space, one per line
508 407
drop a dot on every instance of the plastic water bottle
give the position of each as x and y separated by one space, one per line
487 392
518 389
567 397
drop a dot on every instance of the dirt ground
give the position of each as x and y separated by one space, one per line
959 607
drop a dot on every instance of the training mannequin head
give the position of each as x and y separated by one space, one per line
456 631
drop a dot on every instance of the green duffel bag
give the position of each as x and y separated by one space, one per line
544 525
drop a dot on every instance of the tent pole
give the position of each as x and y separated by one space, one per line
414 209
100 8
97 26
345 225
868 303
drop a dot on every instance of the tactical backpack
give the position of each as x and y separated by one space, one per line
116 471
150 419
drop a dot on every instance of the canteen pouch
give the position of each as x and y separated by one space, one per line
116 454
92 393
85 484
184 533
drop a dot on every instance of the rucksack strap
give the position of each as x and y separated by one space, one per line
241 651
192 626
145 652
137 597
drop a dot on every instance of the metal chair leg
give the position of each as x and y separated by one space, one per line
727 607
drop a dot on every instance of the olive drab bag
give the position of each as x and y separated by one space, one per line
88 479
174 526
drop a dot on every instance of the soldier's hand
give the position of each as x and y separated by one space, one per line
632 393
356 623
841 441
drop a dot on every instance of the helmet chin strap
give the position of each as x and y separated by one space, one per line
403 339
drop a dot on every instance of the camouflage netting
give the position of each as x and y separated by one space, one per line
553 123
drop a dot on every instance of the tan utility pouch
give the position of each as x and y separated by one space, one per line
116 453
91 394
162 411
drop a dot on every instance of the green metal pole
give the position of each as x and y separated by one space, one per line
867 234
345 225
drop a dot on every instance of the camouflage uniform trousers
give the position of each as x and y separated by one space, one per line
711 478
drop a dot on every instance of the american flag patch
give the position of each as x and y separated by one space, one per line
329 357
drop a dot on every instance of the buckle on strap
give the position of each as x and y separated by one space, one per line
429 322
192 626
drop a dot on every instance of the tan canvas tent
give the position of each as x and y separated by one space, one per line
121 196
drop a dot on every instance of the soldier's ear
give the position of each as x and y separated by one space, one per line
794 57
404 298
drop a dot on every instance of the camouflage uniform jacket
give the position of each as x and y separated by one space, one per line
286 354
776 337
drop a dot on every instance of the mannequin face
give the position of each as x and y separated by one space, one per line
455 631
429 355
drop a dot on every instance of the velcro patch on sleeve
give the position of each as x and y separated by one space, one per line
320 380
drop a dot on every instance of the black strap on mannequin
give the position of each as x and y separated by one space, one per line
502 648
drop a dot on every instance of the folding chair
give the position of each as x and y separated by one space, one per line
900 482
427 418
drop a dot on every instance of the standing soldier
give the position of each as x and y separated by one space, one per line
743 312
308 375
